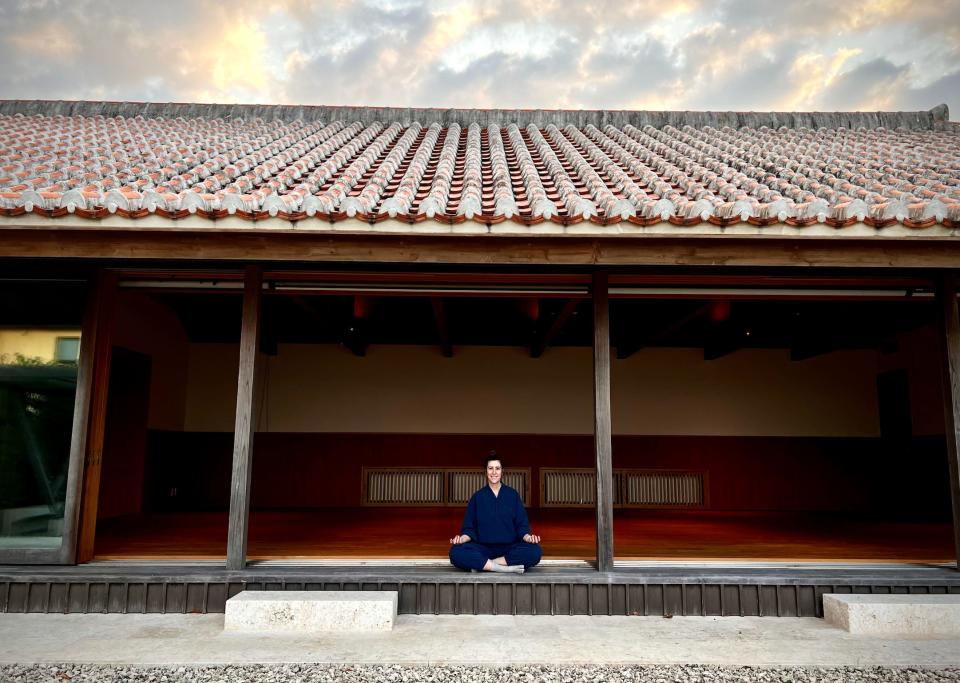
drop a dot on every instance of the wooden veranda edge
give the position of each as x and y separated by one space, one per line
613 250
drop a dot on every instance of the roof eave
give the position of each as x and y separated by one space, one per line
117 239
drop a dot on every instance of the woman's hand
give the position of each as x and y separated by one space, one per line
457 540
531 538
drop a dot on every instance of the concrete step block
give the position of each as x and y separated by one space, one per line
308 611
900 615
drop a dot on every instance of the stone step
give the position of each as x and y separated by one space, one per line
901 615
307 611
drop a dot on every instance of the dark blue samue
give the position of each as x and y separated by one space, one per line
496 525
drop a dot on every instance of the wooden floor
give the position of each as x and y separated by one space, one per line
386 533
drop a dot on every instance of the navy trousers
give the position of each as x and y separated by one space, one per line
474 555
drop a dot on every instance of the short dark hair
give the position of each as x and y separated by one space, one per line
492 455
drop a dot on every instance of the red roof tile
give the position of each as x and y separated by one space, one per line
381 171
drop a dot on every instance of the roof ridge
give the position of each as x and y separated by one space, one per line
923 120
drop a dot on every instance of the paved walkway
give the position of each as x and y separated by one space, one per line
155 640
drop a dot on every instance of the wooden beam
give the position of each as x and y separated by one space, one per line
602 429
355 336
304 304
59 238
443 330
626 350
448 277
720 347
245 425
949 327
810 349
724 337
102 342
542 342
810 335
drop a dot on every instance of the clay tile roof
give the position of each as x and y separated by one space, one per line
416 170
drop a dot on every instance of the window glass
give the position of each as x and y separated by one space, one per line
39 348
68 350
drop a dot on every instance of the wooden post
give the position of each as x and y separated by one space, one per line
101 344
949 325
602 430
246 420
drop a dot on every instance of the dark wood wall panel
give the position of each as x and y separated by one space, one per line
745 473
125 441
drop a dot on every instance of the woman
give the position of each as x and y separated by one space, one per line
496 535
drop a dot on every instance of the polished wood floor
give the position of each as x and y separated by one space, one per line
423 533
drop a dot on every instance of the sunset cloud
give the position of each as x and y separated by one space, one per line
731 54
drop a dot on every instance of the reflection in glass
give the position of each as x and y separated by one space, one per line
38 383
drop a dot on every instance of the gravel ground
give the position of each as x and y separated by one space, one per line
317 673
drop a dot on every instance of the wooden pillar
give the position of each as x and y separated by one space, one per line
602 430
92 387
949 325
245 425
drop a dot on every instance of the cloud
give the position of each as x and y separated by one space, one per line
874 85
814 77
689 54
363 55
51 41
499 80
943 89
193 52
641 74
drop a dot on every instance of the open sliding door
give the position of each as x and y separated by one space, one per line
48 338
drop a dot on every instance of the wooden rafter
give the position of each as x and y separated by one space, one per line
810 348
723 342
723 336
542 341
443 328
304 304
628 348
355 336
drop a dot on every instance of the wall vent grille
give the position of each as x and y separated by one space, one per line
567 487
408 486
404 487
661 489
577 487
461 484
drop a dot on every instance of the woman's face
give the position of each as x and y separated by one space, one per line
494 470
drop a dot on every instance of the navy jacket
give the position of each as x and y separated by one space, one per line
495 518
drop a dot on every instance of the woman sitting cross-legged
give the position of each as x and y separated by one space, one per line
496 533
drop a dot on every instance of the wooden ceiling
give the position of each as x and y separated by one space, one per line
718 325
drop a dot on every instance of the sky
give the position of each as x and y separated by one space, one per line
759 55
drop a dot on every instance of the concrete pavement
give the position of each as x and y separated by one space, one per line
190 640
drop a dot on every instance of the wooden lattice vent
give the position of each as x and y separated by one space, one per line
632 488
408 486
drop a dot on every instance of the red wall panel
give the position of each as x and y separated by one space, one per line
303 470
